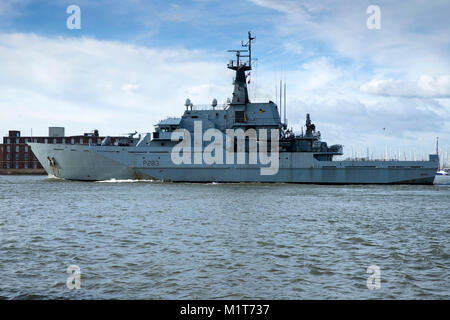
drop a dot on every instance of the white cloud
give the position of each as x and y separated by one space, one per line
82 83
425 87
292 8
413 39
130 88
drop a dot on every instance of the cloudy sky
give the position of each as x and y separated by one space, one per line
134 62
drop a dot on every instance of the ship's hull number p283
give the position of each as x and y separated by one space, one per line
151 163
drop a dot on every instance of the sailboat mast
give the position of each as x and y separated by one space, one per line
285 103
437 153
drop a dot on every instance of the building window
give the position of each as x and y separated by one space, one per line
17 148
81 140
46 140
72 141
8 157
35 165
90 141
26 148
17 166
7 166
35 140
17 156
54 140
9 141
26 157
8 148
17 140
25 165
64 141
99 141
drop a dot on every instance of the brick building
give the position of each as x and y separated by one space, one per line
16 154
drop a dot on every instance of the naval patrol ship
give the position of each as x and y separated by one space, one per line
239 141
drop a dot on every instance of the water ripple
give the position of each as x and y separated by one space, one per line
153 240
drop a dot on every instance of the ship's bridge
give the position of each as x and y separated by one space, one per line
164 128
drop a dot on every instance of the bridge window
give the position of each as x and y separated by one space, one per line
239 116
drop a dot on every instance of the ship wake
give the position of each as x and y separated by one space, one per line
53 177
126 180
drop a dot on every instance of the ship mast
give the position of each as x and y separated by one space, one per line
240 92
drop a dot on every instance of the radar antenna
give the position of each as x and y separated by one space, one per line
246 64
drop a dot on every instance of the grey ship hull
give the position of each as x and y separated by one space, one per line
91 163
